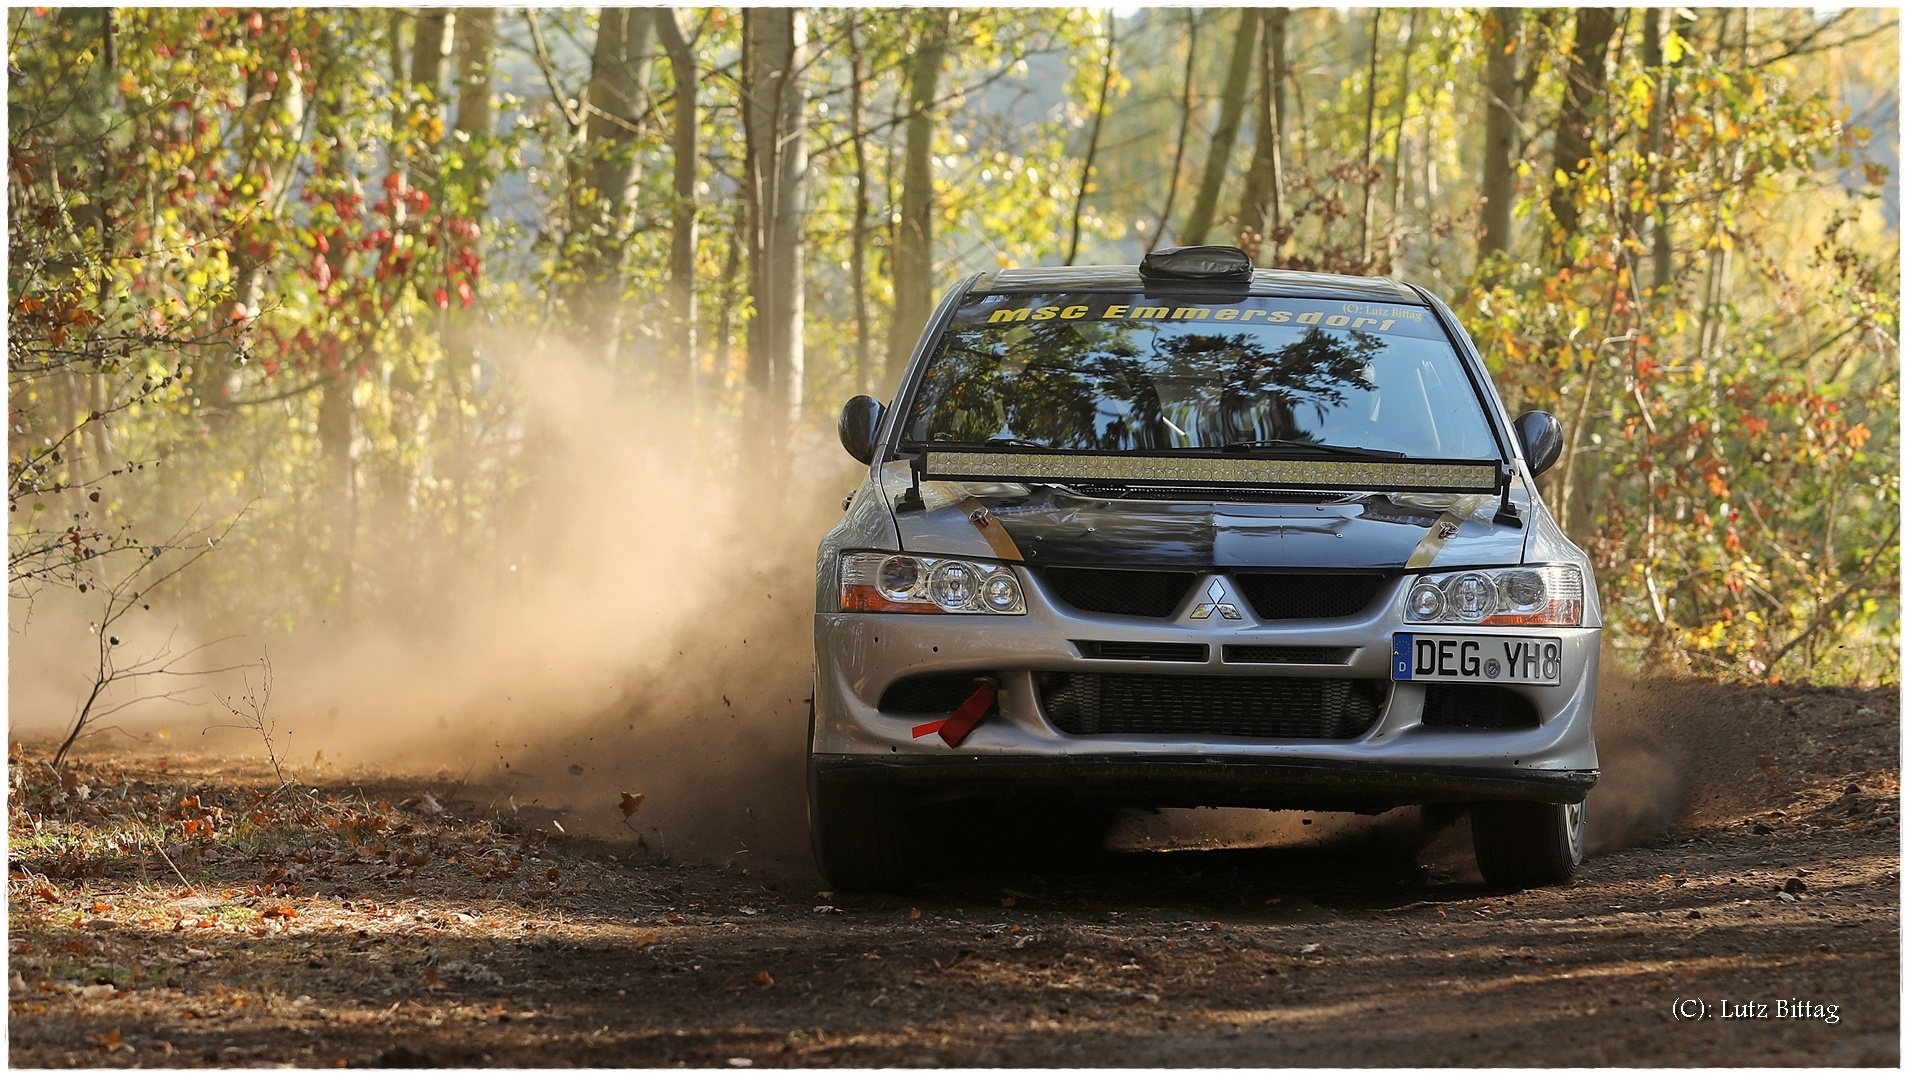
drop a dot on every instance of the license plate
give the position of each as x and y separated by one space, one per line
1477 659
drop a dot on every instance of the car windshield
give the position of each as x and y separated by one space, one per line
1127 372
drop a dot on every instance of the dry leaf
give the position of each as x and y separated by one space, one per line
429 805
914 913
763 978
553 874
631 801
107 1040
646 940
432 980
279 911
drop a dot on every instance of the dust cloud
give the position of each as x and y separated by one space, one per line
654 638
651 637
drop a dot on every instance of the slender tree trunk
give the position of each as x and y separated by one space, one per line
1371 116
1398 177
1501 104
1093 138
1265 179
463 324
476 62
435 29
679 348
616 100
858 237
1185 125
1656 22
1231 110
1583 88
914 244
775 109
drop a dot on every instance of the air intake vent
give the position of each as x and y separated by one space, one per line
1109 651
940 693
1308 596
1288 655
1263 707
1121 591
1477 706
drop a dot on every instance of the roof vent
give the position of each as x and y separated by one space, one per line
1202 264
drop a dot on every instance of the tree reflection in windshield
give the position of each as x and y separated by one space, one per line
1112 386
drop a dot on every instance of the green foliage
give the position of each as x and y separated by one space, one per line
250 263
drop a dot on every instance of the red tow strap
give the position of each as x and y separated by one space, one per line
955 726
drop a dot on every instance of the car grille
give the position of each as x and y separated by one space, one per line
940 693
1477 706
1120 651
1122 591
1265 707
1308 596
1287 655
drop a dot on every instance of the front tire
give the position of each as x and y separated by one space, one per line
1520 845
858 833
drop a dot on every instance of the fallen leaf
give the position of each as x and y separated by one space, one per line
631 801
100 906
914 913
763 978
432 980
429 805
646 940
107 1040
279 911
553 874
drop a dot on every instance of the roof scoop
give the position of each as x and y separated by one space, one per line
1206 265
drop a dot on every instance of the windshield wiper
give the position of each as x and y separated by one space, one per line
1312 447
1011 442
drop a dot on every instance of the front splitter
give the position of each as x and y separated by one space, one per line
1205 781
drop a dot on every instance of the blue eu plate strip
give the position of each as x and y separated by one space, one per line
1401 657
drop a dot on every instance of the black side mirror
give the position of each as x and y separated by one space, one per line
860 418
1541 435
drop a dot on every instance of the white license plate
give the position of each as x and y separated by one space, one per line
1477 659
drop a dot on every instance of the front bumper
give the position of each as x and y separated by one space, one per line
1397 760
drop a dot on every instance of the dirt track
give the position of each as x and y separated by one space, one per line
357 925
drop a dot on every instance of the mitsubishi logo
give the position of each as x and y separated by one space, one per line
1217 592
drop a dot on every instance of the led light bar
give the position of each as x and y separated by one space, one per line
1427 476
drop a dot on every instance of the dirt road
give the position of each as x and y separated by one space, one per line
1751 858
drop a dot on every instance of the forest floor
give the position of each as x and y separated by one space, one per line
176 910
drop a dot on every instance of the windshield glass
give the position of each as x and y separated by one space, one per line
1111 372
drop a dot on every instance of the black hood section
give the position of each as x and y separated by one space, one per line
1057 527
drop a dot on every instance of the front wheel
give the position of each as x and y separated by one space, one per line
1520 845
858 833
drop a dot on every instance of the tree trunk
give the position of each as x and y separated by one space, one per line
1093 139
1656 22
435 28
775 112
1185 126
1501 105
476 59
680 342
858 237
1265 180
1371 118
617 98
1398 143
1583 88
914 243
1231 109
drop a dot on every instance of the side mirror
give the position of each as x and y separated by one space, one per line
1541 435
860 418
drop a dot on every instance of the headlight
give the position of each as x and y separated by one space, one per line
897 583
1551 594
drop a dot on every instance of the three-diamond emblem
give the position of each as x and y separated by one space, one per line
1218 604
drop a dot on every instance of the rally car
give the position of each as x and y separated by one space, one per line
1191 533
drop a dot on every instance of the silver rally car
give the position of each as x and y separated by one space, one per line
1194 534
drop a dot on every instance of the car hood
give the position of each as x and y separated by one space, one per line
1048 525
